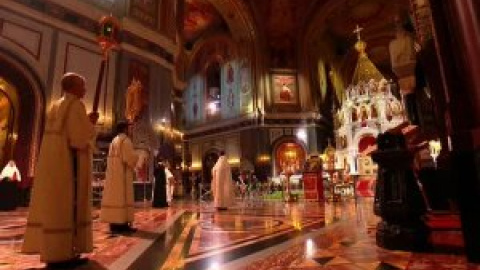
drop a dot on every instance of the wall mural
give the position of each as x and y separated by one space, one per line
235 89
141 72
199 16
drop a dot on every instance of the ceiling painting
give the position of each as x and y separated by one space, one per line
200 16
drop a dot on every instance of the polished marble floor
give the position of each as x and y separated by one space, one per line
252 235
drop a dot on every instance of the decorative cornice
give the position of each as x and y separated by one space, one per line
55 11
245 123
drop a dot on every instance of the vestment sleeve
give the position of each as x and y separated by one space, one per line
129 156
80 131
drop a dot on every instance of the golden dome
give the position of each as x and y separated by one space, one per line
361 46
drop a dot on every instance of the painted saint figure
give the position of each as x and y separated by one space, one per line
285 93
134 102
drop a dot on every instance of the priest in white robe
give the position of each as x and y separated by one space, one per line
59 225
117 201
223 190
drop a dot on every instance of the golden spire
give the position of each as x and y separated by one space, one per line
365 69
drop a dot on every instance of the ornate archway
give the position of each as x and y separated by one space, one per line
22 82
288 153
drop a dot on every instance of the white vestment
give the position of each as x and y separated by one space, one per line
117 199
223 190
170 184
58 226
11 172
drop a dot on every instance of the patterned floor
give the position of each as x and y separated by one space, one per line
107 248
253 235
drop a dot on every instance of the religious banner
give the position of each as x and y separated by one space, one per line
194 102
246 100
285 89
145 11
230 101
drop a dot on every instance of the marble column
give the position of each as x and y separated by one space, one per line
457 37
403 58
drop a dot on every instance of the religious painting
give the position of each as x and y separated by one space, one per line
285 89
139 71
145 11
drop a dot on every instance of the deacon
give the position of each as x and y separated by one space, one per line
222 184
117 202
59 225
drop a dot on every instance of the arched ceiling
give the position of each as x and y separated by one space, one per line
335 21
200 17
288 27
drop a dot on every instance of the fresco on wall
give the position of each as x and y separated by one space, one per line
235 93
199 16
246 101
141 72
145 11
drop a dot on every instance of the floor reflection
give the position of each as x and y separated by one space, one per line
258 235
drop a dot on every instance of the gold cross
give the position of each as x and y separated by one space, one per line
357 31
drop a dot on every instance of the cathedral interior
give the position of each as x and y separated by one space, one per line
352 128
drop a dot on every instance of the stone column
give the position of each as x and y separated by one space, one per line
457 37
403 57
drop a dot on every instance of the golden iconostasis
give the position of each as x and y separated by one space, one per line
290 157
9 110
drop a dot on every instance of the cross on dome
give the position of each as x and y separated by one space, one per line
357 31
